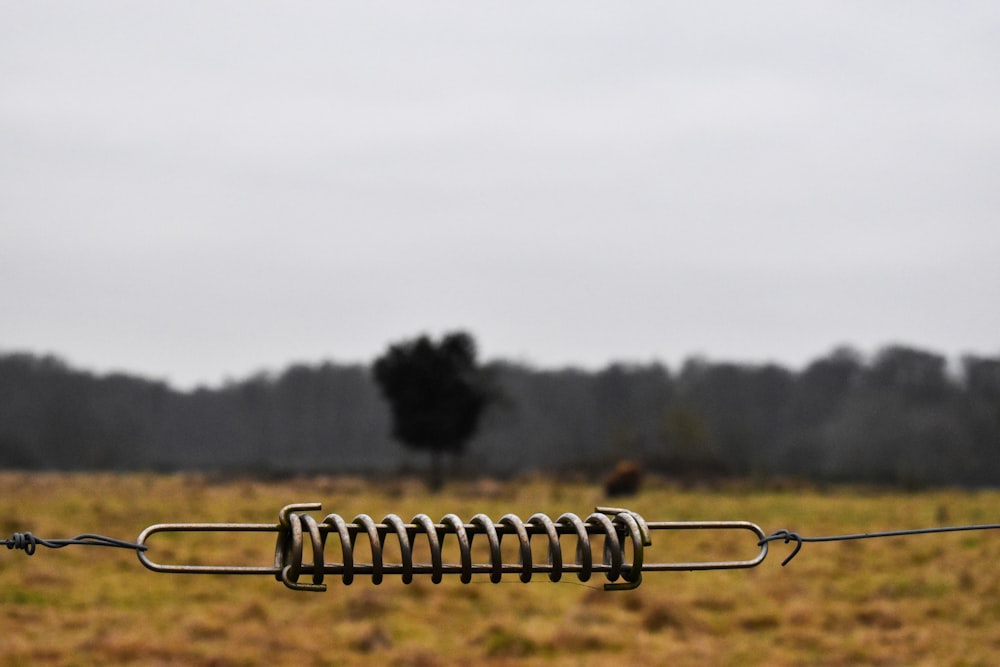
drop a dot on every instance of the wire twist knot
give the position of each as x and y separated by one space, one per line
23 542
28 542
786 536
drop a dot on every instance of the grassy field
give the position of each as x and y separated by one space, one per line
932 600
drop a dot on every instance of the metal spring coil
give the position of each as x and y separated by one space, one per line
620 526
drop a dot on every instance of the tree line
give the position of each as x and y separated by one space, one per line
901 416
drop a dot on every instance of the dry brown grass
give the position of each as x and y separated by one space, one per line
932 600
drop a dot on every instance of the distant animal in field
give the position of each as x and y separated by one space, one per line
624 480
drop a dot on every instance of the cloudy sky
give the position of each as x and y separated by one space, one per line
196 191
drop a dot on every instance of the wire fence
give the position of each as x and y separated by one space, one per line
613 542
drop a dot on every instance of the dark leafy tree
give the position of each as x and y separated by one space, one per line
818 397
914 375
981 414
742 407
899 417
437 393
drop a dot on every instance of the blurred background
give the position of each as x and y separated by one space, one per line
721 238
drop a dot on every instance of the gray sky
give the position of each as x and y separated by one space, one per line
196 191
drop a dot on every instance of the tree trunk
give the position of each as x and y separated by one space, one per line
436 479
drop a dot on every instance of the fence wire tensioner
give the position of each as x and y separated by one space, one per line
623 536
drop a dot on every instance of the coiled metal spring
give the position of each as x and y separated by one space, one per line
625 536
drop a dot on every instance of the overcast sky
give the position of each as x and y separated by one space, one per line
197 191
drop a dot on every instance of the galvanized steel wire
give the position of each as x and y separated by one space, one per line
28 542
788 536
